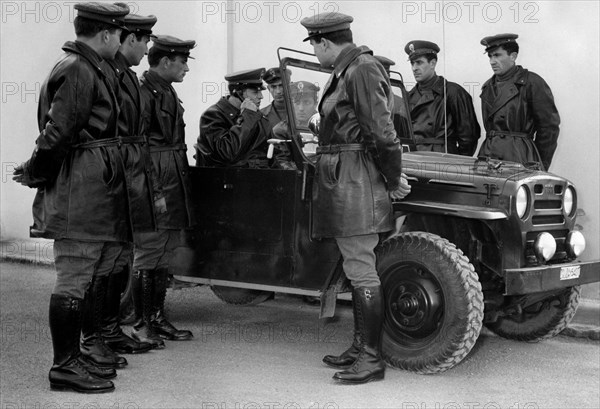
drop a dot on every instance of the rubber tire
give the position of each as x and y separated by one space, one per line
445 288
240 296
540 321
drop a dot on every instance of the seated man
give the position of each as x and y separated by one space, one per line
305 99
275 111
233 132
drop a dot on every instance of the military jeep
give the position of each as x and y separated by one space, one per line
477 242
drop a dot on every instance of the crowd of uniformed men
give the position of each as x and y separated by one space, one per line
112 180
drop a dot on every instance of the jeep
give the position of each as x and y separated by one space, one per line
477 242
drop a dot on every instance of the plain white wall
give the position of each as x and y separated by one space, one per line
558 40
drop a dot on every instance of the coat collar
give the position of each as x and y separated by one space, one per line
87 52
155 82
491 104
345 58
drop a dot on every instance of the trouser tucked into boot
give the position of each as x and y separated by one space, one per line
111 331
92 343
70 371
348 357
160 323
143 297
368 365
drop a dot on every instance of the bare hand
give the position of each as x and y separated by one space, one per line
160 205
402 190
248 104
20 175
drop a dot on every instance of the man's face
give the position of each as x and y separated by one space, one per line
254 95
321 51
176 69
423 69
139 48
501 61
304 108
276 90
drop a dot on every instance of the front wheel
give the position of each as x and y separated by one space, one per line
433 303
542 320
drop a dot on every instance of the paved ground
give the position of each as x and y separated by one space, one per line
268 356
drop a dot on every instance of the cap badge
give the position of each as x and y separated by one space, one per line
411 47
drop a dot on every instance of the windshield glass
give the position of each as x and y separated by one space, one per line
305 90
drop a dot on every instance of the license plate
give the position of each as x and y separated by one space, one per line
569 272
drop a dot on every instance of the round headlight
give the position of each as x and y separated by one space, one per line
544 246
522 201
575 243
569 201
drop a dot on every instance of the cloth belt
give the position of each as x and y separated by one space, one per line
165 148
132 139
341 148
501 134
429 141
98 143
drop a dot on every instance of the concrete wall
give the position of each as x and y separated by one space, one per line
558 39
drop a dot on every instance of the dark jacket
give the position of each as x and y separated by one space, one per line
429 118
229 137
272 115
166 138
522 123
350 191
82 191
134 148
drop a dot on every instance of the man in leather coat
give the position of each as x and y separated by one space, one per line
234 132
519 115
358 172
81 201
441 111
165 132
142 188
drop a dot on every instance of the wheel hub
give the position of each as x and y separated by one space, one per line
415 303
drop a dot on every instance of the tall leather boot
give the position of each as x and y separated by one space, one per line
69 371
163 327
368 365
347 358
111 331
143 297
92 345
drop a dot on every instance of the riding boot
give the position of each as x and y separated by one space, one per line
347 358
69 371
160 323
142 291
111 331
92 344
368 365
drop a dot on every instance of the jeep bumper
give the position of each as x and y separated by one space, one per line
520 281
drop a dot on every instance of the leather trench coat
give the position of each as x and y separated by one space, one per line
81 190
142 184
350 190
229 137
522 123
429 119
165 131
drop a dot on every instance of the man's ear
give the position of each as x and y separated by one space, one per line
513 56
165 61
